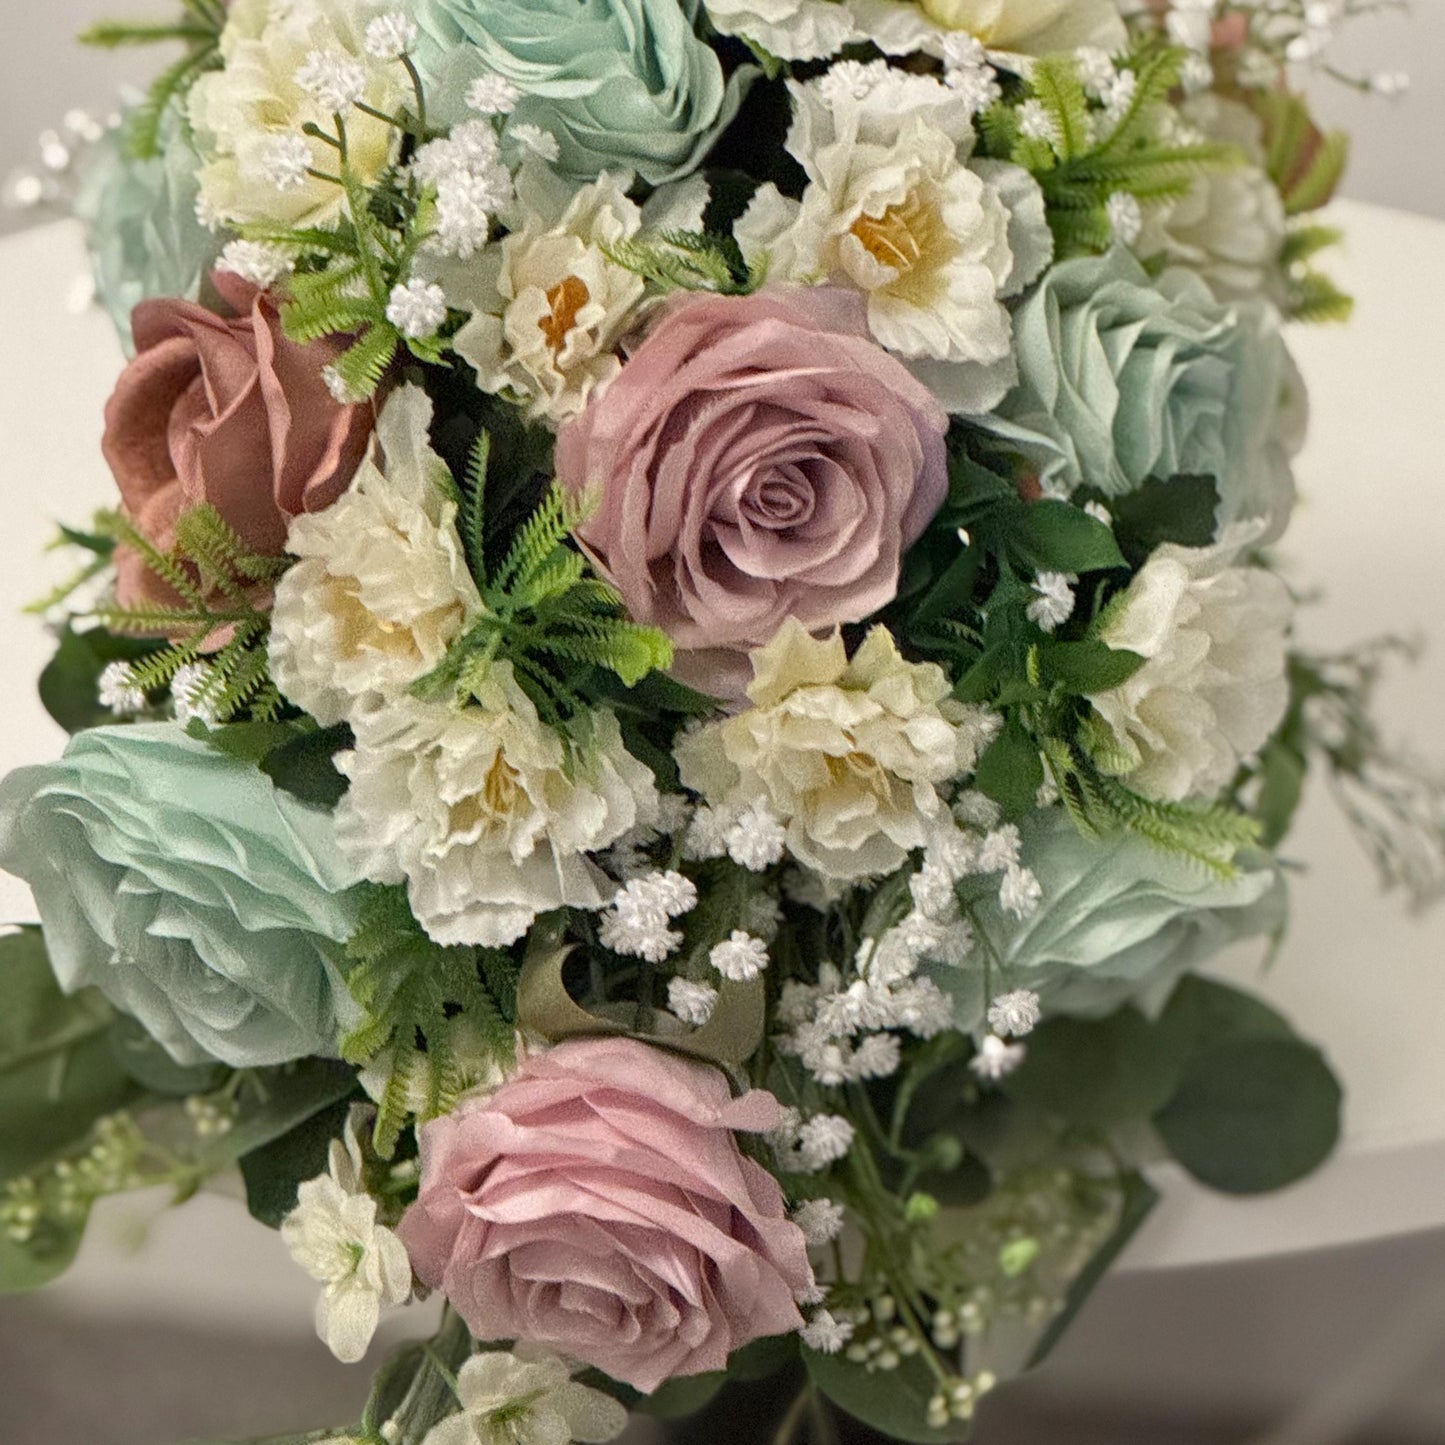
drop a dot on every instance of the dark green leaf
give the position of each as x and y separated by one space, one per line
1085 668
1058 537
148 1063
274 1172
250 742
1203 1014
1097 1073
68 685
1011 771
1253 1115
303 765
1180 510
895 1403
1282 782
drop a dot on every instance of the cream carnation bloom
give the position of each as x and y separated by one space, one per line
240 111
848 755
382 588
548 307
1213 687
1019 27
484 812
789 29
892 210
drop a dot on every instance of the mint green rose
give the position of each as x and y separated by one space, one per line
1120 921
189 890
622 84
1122 378
140 224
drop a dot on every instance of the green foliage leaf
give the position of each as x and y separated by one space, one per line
304 765
895 1404
153 1069
1253 1115
1283 771
275 1171
1057 537
1181 510
57 1071
1085 668
70 681
1011 772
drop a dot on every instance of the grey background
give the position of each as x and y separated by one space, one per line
1398 155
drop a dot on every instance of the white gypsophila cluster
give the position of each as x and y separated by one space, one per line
1037 122
492 95
691 1001
288 67
826 1333
751 834
116 690
258 262
1053 601
391 36
637 923
739 957
1126 217
550 308
996 1059
1015 1013
334 1236
1214 686
968 73
532 140
382 587
821 1221
417 308
472 184
486 813
810 1145
893 210
193 693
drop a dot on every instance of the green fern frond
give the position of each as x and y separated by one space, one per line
1315 299
363 364
686 261
1055 83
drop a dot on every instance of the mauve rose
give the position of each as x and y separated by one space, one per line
598 1204
759 458
225 410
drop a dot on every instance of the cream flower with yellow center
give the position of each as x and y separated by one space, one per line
848 755
1021 27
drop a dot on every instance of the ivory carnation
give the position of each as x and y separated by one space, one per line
789 29
759 459
1213 687
382 587
549 307
255 100
482 812
848 755
599 1205
1024 27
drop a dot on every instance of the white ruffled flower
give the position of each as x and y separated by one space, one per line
848 755
826 1334
823 1140
1010 27
289 64
261 264
690 1001
193 693
892 210
1213 687
549 308
333 1235
417 308
739 957
472 184
1015 1013
492 94
1053 601
821 1221
391 36
382 588
1020 892
512 1399
116 690
995 1059
483 813
789 29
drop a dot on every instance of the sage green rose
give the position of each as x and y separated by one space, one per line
189 890
623 85
1121 921
1123 378
140 223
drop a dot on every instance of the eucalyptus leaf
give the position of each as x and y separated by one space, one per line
1253 1115
69 684
274 1172
1181 510
1057 537
304 765
1085 668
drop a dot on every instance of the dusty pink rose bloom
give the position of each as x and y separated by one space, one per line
759 458
225 410
599 1204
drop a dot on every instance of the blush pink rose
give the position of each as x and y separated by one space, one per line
759 458
598 1204
225 410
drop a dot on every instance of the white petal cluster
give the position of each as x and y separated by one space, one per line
636 925
1213 687
821 1221
472 185
1012 27
739 957
482 812
417 308
506 1399
789 29
290 64
892 209
116 690
334 1236
382 588
690 1001
996 1059
827 1334
1015 1013
261 264
549 308
848 755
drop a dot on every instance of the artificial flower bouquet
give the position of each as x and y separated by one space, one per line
686 668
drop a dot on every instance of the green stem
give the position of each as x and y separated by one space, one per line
420 89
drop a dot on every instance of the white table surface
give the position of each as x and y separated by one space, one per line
1357 974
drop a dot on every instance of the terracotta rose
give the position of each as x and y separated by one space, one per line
225 410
